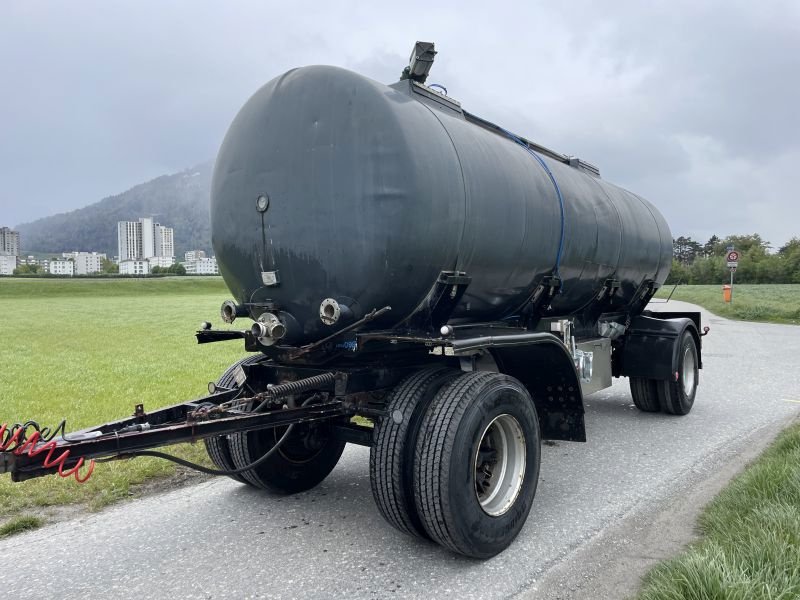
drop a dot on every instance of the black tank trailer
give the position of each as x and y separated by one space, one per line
456 286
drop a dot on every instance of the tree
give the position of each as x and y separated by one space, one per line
27 270
789 254
685 249
713 247
752 244
109 266
176 269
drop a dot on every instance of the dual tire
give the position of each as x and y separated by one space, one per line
457 459
675 395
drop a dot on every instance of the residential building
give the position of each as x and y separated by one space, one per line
201 266
145 240
9 242
129 240
194 255
8 262
62 267
163 242
161 261
134 267
86 263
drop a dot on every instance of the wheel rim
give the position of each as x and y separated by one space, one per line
499 465
687 370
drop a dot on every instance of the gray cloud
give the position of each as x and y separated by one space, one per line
692 105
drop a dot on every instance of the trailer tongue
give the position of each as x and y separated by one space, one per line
28 451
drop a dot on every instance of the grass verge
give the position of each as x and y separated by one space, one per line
88 351
20 524
779 303
751 544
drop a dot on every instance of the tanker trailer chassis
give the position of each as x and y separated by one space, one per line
455 421
420 281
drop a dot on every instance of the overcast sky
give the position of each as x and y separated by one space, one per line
694 105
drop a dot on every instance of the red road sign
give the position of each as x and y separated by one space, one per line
733 256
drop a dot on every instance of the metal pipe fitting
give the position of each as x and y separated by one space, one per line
230 310
268 329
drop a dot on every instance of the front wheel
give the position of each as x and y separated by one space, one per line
307 456
218 448
477 463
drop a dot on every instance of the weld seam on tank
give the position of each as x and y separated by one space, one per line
646 204
613 205
547 170
463 184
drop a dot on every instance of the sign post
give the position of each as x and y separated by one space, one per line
733 262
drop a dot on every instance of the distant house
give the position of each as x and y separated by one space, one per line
62 267
134 267
86 263
8 263
201 266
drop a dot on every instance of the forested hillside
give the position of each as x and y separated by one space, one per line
180 201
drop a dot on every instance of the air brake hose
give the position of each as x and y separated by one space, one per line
15 440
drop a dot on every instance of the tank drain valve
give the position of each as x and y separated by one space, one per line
268 329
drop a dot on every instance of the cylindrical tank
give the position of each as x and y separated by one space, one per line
329 185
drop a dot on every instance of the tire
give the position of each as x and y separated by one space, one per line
464 428
676 396
394 439
645 394
218 448
302 462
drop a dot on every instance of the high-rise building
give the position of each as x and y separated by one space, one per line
9 242
129 240
144 240
163 242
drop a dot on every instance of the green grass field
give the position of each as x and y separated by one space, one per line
767 303
751 548
88 351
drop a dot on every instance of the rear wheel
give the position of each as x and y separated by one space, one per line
477 463
645 394
217 447
676 395
391 457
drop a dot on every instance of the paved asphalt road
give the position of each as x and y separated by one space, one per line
220 539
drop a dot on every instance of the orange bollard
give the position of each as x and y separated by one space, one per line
726 293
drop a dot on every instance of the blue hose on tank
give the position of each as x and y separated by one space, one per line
547 170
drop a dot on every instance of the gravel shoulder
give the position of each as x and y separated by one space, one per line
613 564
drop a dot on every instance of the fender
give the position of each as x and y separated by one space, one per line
650 347
545 367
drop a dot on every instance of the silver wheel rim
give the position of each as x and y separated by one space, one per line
687 370
499 465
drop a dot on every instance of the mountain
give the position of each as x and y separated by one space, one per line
180 201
